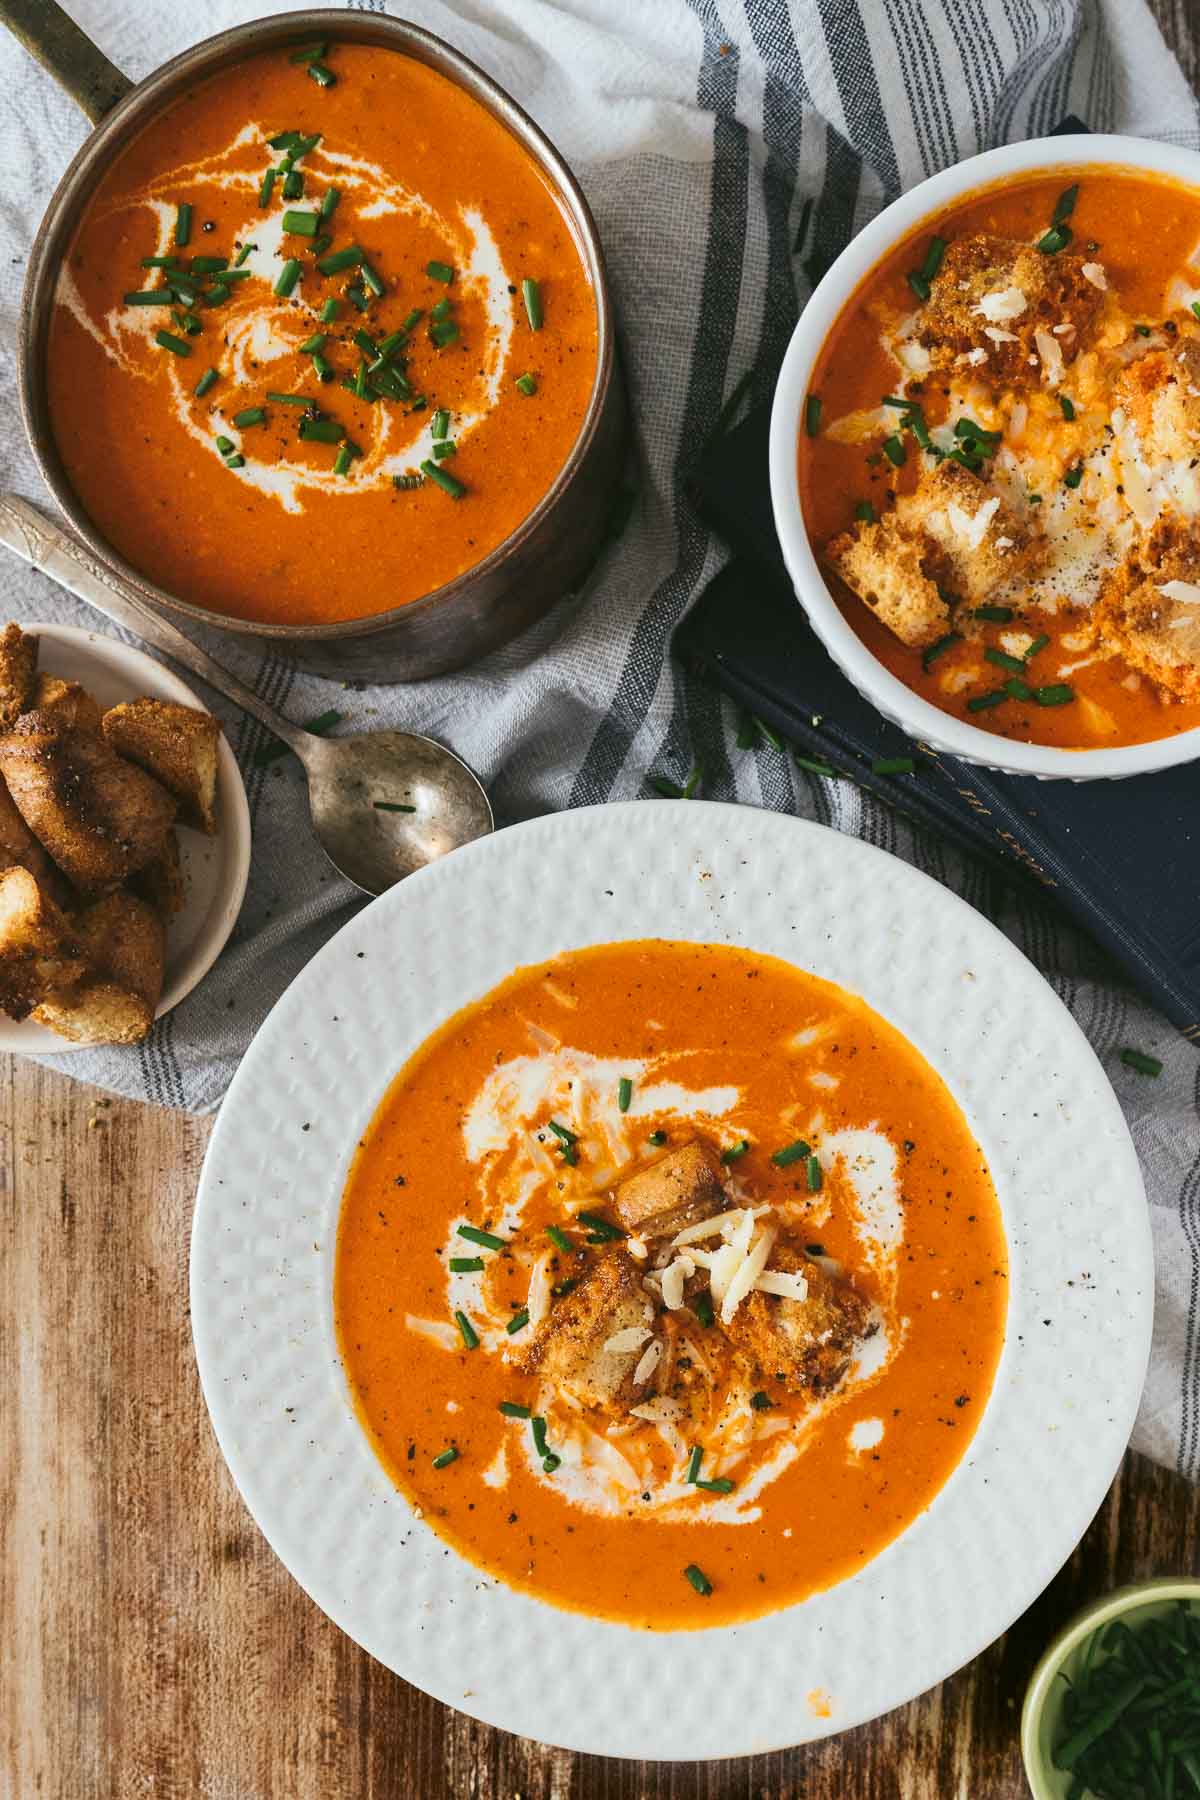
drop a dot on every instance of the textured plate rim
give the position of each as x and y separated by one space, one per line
1025 1397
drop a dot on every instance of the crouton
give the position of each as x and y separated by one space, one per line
983 544
67 702
18 669
18 845
894 571
1014 303
1149 608
177 745
569 1349
101 818
125 943
161 881
1160 394
40 955
805 1346
679 1189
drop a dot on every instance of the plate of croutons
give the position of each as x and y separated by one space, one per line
124 840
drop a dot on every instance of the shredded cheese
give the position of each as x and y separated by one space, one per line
631 1338
1002 303
649 1362
1186 591
1094 272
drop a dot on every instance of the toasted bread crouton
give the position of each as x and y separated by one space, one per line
984 546
67 702
1004 307
895 572
1160 394
18 672
161 881
19 845
101 818
125 943
569 1350
177 745
679 1189
40 955
805 1346
1149 608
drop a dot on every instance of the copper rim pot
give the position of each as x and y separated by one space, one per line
538 563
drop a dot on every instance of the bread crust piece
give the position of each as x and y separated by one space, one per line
161 881
679 1189
66 701
568 1352
175 744
18 670
804 1346
40 953
125 943
1157 635
894 571
975 269
101 818
1160 394
18 845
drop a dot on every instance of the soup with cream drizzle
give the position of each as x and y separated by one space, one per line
670 1283
319 345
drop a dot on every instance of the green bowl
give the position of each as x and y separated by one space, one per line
1044 1696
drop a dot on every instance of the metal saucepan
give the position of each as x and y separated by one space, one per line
523 577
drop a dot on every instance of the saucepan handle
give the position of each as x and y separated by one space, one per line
79 67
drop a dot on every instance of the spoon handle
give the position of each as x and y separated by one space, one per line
57 554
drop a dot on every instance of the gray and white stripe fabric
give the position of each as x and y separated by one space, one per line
729 149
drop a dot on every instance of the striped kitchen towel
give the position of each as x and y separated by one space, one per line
729 149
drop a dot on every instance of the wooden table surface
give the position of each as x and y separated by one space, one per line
153 1644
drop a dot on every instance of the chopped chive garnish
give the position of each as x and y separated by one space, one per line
791 1153
443 332
411 319
968 428
933 258
323 722
1142 330
559 1238
447 482
1016 689
469 1335
371 278
340 259
183 225
287 278
301 224
446 1458
999 615
930 656
445 447
865 511
518 1322
322 431
1064 206
656 1138
537 1430
392 806
1033 499
321 367
330 311
531 293
358 296
439 271
166 340
760 1401
439 425
702 1306
390 344
1039 643
550 1462
563 1132
512 1409
320 73
893 765
243 255
1056 693
253 415
184 290
288 400
812 414
207 380
698 1579
893 449
720 1484
624 1093
1196 308
918 284
407 482
773 738
1137 1059
442 310
308 53
527 384
235 462
209 265
466 1265
487 1239
812 1172
148 297
983 702
735 1150
1067 405
293 187
224 444
814 765
600 1227
187 322
329 203
160 262
1056 239
1074 476
694 1461
747 734
265 191
1003 660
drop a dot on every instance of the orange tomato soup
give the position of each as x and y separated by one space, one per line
519 1119
1095 639
349 265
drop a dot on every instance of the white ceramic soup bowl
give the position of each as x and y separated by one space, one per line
893 699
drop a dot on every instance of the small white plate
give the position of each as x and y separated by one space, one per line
215 869
1081 1278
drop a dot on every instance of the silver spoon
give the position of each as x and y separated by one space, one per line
383 803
